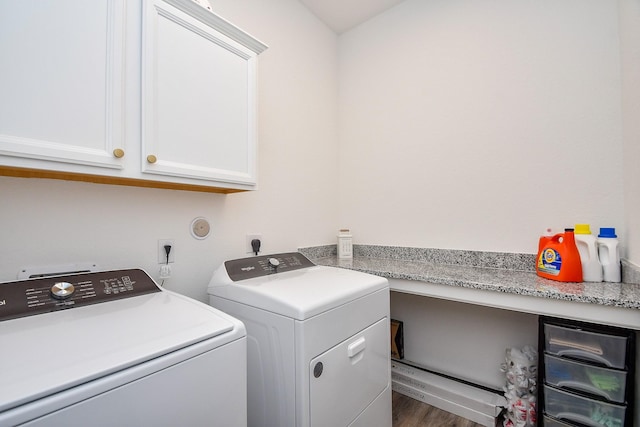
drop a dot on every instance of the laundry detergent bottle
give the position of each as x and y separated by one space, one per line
609 254
588 248
560 259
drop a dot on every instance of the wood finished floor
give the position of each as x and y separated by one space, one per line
408 412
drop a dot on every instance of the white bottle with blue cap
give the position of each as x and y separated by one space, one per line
609 254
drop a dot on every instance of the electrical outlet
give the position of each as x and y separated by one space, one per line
250 237
165 271
162 254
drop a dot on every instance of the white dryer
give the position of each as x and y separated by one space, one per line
318 341
113 349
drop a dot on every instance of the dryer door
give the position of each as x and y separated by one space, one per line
348 377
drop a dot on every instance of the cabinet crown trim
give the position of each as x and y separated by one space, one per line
219 24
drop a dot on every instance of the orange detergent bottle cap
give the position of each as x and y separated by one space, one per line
582 229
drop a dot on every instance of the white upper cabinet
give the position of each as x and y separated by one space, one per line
198 95
61 82
158 93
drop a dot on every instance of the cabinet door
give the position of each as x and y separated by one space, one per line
198 97
61 84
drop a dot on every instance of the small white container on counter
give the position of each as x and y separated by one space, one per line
345 244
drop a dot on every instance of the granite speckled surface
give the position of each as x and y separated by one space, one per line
630 272
493 271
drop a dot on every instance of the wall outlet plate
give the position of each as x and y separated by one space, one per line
250 237
165 271
162 255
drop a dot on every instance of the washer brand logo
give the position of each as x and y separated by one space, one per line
3 302
247 268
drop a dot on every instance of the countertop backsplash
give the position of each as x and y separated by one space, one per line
630 272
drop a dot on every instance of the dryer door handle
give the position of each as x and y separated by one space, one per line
356 347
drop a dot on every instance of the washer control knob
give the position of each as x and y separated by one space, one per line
273 262
62 290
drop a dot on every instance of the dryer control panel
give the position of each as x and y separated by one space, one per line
43 295
248 268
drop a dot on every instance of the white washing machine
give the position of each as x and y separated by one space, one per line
318 341
114 349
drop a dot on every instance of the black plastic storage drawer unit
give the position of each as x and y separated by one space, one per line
586 374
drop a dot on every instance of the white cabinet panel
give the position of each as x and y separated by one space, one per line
184 79
198 99
61 80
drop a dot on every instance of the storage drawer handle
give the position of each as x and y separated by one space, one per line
356 347
585 387
585 355
570 416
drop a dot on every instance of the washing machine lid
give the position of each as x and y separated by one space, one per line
46 353
299 294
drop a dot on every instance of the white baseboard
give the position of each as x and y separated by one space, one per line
473 403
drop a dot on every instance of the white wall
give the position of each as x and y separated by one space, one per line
630 48
47 222
475 125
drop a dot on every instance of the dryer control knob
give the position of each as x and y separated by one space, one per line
273 262
62 290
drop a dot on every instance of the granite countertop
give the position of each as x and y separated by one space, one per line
427 267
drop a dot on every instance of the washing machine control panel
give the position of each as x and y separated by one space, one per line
248 268
46 294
